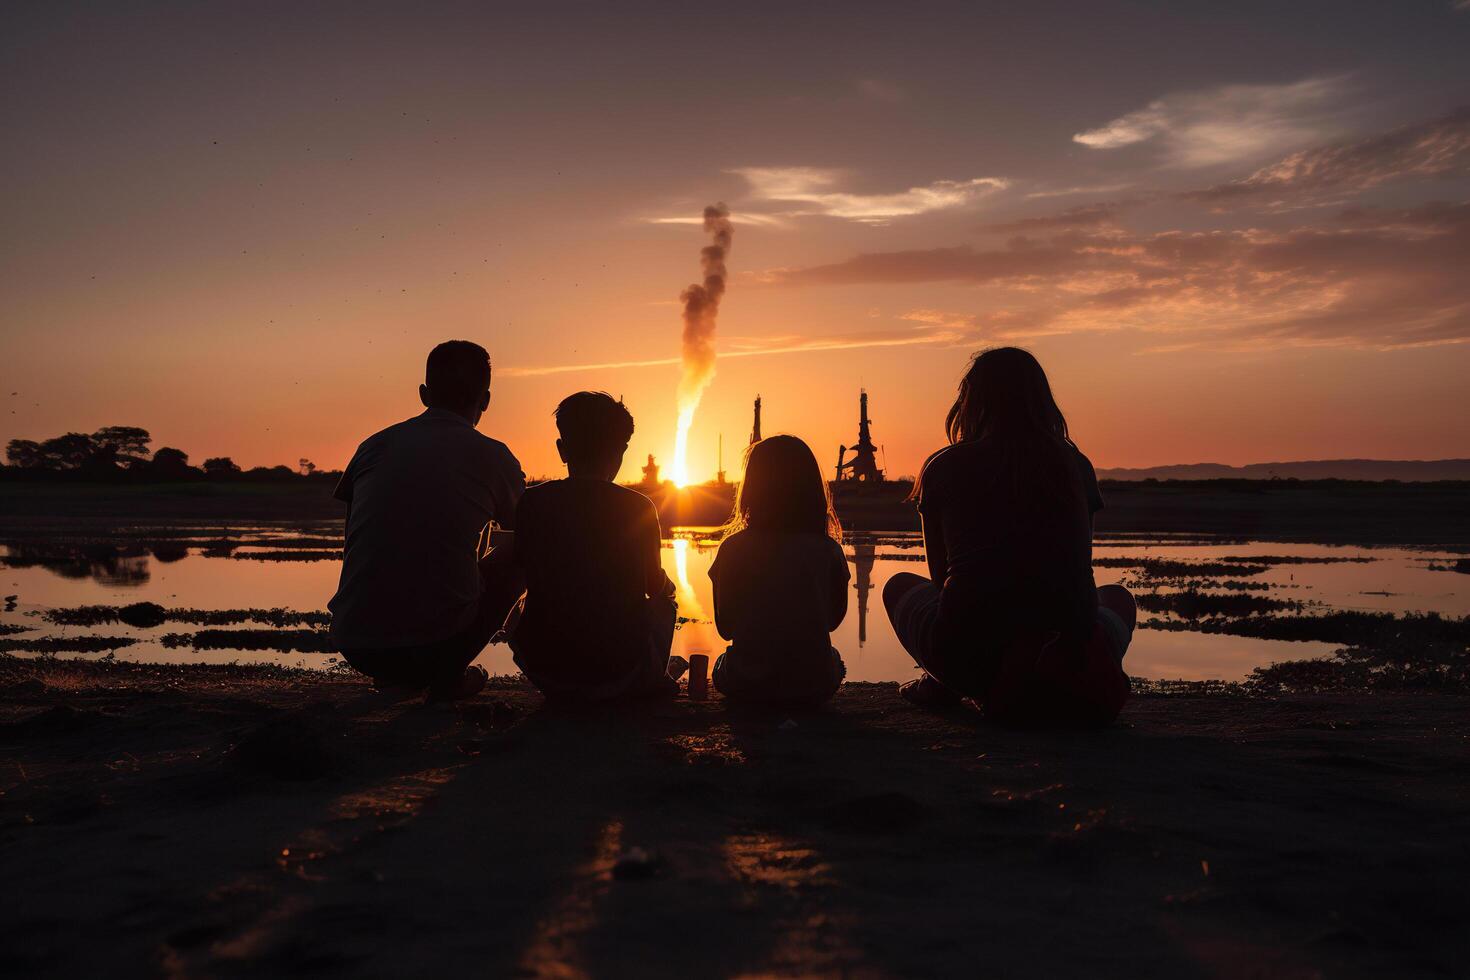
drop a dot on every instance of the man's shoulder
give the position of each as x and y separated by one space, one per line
494 448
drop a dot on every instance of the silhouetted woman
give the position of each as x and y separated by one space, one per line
1010 615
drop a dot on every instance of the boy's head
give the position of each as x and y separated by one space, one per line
594 434
457 379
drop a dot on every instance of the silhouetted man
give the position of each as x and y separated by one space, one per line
597 619
416 602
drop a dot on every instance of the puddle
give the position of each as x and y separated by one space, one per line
256 579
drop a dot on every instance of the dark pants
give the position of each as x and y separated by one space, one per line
912 602
538 659
442 663
813 687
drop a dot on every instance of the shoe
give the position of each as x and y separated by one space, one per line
926 692
472 682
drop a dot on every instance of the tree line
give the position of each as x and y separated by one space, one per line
120 453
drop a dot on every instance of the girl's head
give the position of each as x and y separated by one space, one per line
1005 401
1005 395
783 490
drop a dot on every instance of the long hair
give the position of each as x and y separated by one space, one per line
1005 400
783 490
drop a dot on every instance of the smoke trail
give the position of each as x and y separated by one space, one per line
701 307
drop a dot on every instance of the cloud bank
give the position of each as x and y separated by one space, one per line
1371 279
1227 124
1436 149
815 191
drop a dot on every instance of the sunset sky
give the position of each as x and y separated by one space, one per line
1231 232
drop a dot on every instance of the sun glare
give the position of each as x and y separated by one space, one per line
679 471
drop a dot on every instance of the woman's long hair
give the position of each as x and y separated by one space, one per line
783 490
1005 400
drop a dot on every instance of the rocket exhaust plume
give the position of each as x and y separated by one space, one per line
701 307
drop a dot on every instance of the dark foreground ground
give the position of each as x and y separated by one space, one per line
218 821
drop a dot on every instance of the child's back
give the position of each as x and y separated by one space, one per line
597 618
778 596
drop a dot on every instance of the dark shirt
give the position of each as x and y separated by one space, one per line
778 596
419 494
590 550
1011 564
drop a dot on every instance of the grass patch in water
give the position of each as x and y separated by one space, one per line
1193 604
1172 568
145 614
66 644
287 555
1370 630
282 640
1404 664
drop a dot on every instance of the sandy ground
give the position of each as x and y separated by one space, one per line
241 821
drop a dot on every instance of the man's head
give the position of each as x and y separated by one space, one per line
594 434
457 379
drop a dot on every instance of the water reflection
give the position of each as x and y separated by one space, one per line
106 564
864 553
177 568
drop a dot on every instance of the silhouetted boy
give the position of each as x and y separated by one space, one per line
416 603
597 619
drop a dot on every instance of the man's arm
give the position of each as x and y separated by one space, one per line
657 582
509 487
343 492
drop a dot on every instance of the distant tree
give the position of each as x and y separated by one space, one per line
69 452
127 444
221 466
169 456
24 454
170 464
305 466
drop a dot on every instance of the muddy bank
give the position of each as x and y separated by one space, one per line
231 820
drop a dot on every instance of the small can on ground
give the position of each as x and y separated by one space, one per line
698 676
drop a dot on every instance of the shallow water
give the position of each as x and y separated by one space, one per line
223 569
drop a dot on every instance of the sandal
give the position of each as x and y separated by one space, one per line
472 682
928 693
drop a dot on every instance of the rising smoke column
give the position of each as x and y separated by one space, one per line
701 307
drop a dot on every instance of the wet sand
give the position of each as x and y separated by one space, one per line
217 821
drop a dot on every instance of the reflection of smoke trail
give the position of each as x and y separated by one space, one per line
681 577
693 637
701 307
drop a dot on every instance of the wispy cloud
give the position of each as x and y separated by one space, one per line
1078 190
925 333
740 218
1368 278
1227 124
1434 149
817 191
1083 216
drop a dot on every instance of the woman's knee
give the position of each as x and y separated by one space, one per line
899 586
1120 601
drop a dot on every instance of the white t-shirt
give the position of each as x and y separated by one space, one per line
418 493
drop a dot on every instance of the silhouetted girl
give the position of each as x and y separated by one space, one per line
780 580
1010 615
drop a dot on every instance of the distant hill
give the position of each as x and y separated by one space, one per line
1406 470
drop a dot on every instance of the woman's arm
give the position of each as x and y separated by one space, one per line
934 552
838 584
716 578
